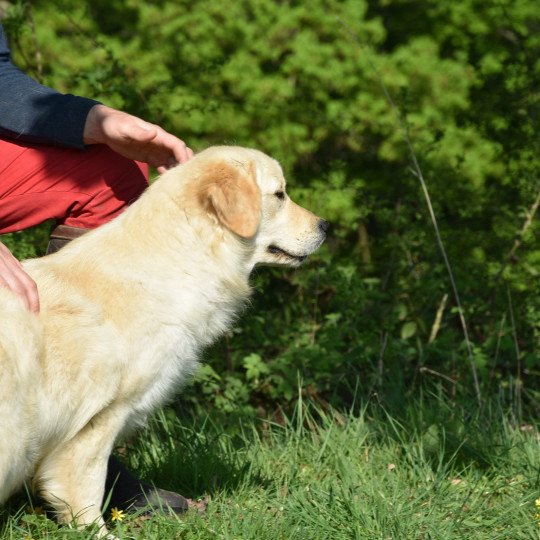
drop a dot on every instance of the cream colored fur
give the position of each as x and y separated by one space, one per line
125 312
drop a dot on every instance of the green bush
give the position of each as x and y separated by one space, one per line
306 82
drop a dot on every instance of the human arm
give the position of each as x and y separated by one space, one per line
32 112
125 134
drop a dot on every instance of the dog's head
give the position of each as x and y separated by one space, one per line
243 191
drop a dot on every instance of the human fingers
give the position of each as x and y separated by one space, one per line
182 152
19 282
152 144
172 162
13 277
179 151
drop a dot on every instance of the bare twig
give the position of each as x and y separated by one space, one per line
519 236
518 355
380 363
417 171
526 225
441 375
438 318
363 243
500 334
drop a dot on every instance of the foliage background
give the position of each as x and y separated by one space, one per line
305 82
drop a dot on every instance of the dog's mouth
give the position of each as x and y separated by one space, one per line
275 250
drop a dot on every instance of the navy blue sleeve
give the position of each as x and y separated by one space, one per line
32 112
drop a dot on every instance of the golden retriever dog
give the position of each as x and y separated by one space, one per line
126 310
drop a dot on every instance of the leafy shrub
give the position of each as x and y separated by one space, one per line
306 82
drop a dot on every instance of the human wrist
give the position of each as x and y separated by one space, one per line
93 128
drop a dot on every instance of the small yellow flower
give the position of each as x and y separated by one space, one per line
537 503
117 515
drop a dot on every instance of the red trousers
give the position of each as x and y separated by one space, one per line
80 188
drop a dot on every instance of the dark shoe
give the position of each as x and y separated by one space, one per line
127 492
62 235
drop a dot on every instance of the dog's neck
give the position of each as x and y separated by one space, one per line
187 246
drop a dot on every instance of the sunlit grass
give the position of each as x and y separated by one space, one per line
429 471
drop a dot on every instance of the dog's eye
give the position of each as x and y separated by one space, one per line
280 195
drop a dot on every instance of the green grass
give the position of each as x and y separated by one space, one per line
428 471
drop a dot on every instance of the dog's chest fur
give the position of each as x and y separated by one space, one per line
135 360
166 353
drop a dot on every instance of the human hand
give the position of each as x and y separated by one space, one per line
13 276
134 138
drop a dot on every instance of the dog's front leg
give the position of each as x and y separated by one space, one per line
72 477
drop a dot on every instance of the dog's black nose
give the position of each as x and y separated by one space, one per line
324 225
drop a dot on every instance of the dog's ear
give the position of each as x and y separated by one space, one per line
232 195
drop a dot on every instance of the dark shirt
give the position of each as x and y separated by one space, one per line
32 112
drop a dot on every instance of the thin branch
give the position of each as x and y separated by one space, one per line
500 334
438 318
380 363
441 375
518 354
418 173
519 237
